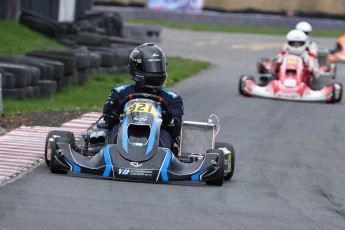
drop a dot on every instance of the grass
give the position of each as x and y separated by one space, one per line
93 95
16 39
231 28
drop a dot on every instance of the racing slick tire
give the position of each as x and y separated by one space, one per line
58 133
241 83
53 153
220 179
231 158
337 91
261 68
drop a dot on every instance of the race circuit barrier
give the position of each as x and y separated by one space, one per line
23 148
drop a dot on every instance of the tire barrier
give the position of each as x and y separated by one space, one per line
100 22
96 43
8 80
22 74
103 23
39 23
91 28
40 73
68 62
47 87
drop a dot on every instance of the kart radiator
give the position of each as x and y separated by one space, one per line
196 137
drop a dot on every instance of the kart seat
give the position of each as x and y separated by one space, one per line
196 138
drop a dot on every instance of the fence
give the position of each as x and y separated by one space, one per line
331 7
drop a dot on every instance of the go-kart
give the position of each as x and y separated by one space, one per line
265 65
338 54
137 153
292 83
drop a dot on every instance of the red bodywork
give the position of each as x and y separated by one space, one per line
292 83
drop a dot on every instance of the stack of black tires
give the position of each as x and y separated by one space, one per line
40 73
94 44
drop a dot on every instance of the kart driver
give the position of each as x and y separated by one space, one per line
339 44
147 67
297 45
307 29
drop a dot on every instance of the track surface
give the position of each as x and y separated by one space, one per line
289 168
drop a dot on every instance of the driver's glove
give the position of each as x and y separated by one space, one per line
111 119
168 119
109 113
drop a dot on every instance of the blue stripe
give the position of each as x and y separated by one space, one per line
166 163
120 88
75 168
108 163
159 108
174 95
124 134
152 136
125 107
196 176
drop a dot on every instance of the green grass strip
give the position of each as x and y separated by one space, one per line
93 95
231 28
17 39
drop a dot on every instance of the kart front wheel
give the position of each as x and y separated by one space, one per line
229 158
53 160
242 84
49 140
220 178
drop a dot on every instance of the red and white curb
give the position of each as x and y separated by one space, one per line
23 147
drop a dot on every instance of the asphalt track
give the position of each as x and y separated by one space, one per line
289 168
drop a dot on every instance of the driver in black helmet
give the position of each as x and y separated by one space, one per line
147 67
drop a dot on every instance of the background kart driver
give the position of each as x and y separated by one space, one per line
147 67
297 45
307 29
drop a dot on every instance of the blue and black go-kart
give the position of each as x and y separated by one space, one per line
136 153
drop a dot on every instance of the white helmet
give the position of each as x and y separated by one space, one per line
305 27
296 42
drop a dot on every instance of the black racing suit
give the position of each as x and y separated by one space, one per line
174 103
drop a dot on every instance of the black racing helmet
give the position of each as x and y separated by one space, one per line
147 66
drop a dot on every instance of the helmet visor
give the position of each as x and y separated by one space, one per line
296 43
154 65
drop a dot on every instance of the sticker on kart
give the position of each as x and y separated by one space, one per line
141 107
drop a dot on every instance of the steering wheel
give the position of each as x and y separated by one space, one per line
155 98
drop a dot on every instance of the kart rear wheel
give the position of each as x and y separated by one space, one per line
49 141
52 159
241 84
231 158
337 91
220 178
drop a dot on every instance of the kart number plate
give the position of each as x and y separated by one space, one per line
290 83
292 60
141 108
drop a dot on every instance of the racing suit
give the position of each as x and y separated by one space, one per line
311 65
172 119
